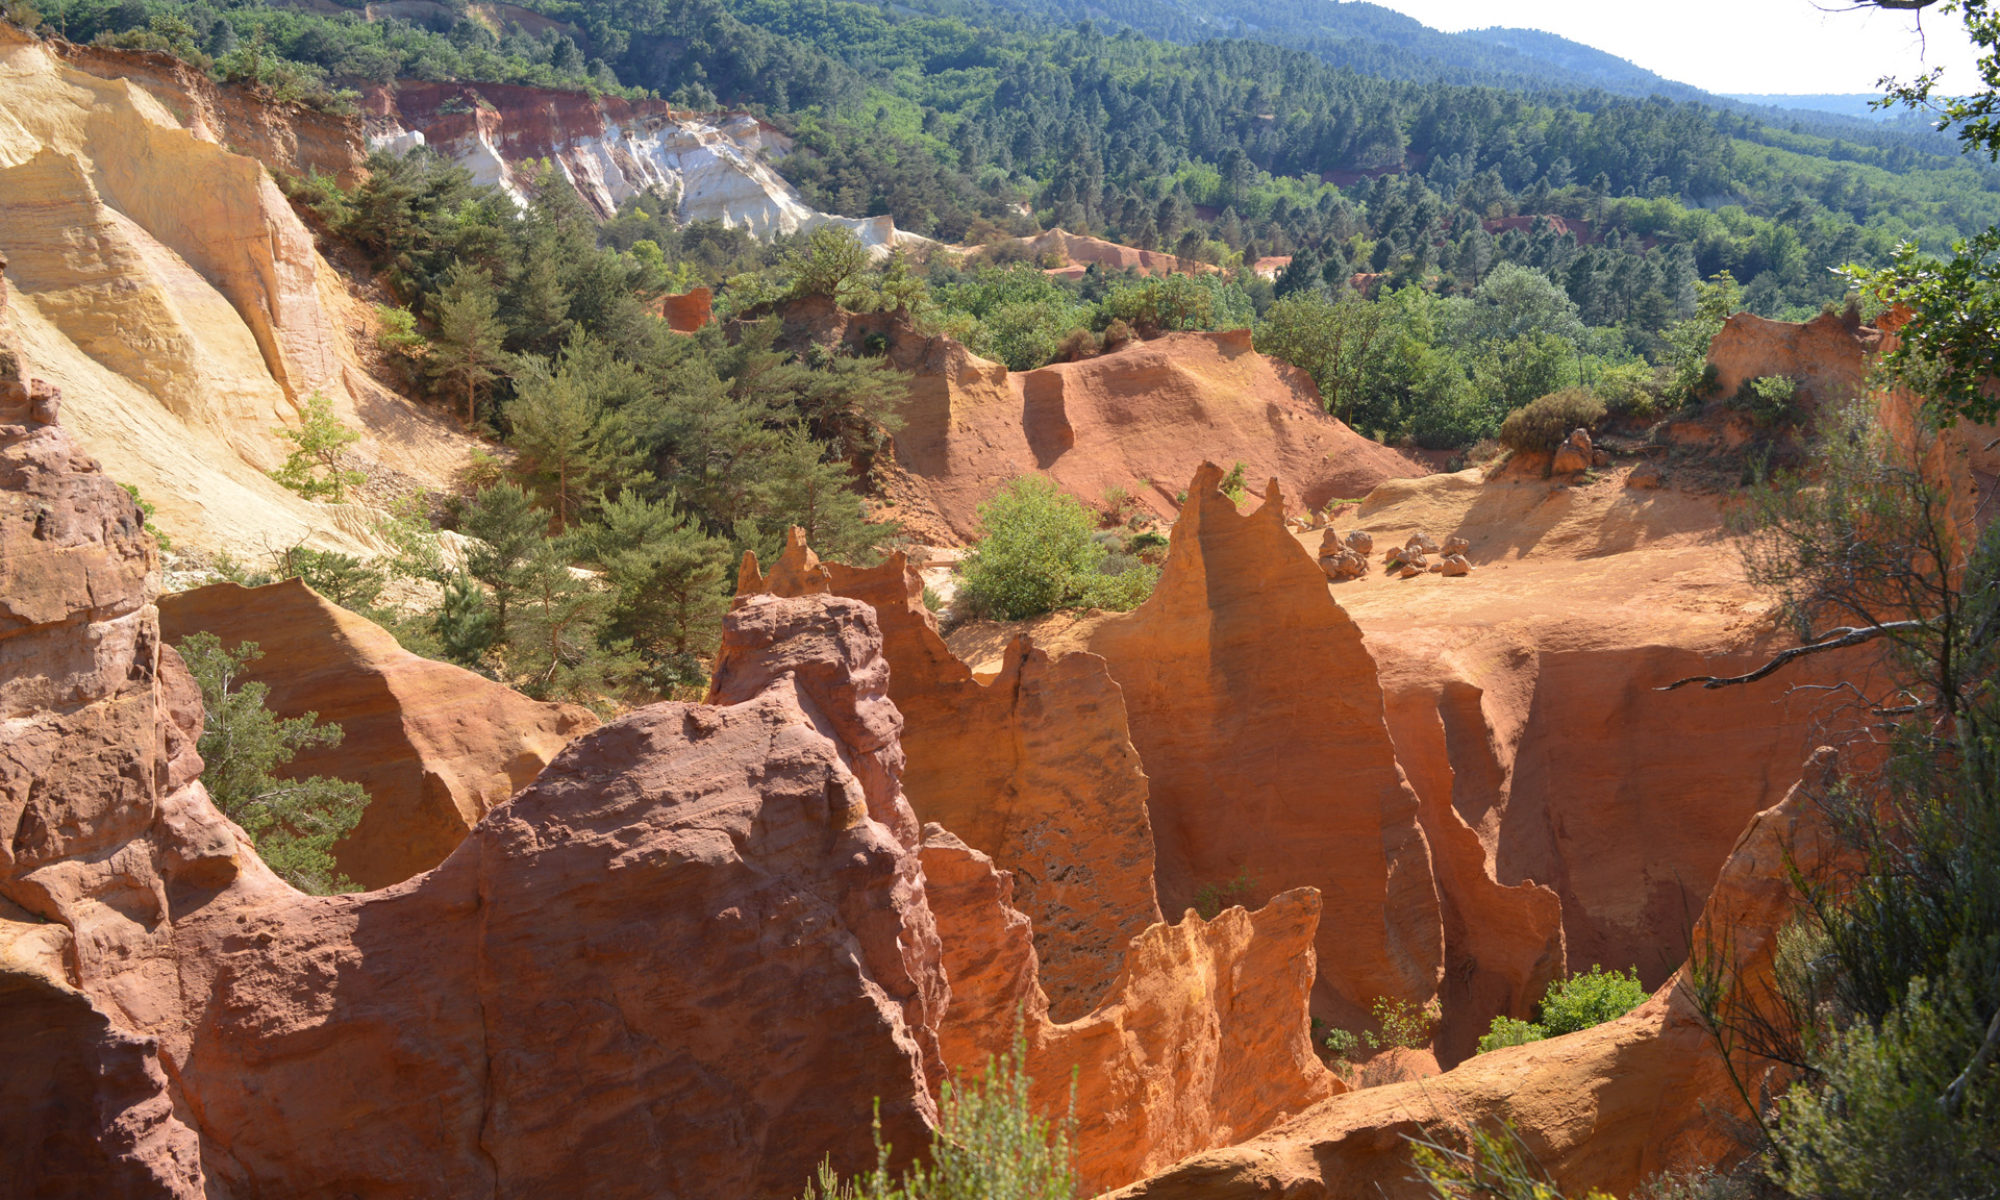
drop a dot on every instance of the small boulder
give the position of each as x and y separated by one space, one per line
1343 564
1573 457
1330 543
1361 542
1646 477
1454 565
1422 543
1456 545
1409 571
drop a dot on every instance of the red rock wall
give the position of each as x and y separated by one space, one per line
1258 714
1201 1042
1035 767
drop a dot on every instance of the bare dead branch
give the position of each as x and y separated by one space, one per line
1954 1096
1833 639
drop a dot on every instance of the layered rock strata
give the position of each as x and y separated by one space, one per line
436 746
713 165
187 324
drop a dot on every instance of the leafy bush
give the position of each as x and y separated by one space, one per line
1039 555
1483 1163
1590 998
1405 1025
1585 999
989 1145
1211 898
1629 390
1769 400
341 578
1507 1031
294 822
1543 424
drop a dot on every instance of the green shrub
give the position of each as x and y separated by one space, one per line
1543 424
1340 1044
398 335
146 511
1507 1031
341 578
1585 999
1590 998
313 468
1769 400
1039 554
989 1145
1405 1024
293 822
1234 485
1630 390
1211 898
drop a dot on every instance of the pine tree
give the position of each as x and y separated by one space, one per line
572 448
802 488
294 822
467 353
510 532
313 468
670 580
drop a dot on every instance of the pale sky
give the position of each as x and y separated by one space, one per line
1732 46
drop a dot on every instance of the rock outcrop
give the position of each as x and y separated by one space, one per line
1034 766
1075 253
187 324
1139 420
436 746
1606 1108
91 762
687 960
1201 1042
1827 357
610 150
1541 670
1255 706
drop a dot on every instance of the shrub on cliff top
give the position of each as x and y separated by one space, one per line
1543 424
1585 999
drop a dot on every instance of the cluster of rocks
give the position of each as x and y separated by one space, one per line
1344 558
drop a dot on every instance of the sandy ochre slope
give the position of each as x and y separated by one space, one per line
164 283
1139 420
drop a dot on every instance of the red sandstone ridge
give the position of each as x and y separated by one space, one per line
437 746
1034 766
1606 1108
1828 357
1141 420
1256 710
1077 252
687 960
1202 1041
